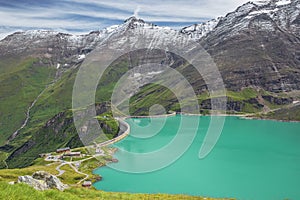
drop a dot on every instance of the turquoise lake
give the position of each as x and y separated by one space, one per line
253 159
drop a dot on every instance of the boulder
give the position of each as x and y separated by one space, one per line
42 180
36 184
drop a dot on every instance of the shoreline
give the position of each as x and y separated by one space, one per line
121 135
268 119
126 132
249 116
152 116
125 127
221 115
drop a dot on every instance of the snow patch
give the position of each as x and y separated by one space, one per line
111 29
81 57
58 66
264 11
154 73
198 31
261 2
283 2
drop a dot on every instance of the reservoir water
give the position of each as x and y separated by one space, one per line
253 159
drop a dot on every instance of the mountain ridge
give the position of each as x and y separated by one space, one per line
256 48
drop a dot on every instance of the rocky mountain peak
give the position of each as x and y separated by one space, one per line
275 13
198 31
273 2
133 19
133 23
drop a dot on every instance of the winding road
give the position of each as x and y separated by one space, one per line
61 172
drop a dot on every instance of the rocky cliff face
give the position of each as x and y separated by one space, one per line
258 45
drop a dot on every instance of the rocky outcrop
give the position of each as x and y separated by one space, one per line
258 45
255 103
278 100
231 105
42 180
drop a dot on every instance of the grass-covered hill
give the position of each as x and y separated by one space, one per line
30 79
24 192
38 68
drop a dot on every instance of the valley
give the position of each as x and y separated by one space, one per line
255 49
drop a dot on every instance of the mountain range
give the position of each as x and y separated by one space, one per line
256 49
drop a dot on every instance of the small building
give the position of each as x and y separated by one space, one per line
72 154
63 150
87 184
98 151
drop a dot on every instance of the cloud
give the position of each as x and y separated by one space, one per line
136 11
84 16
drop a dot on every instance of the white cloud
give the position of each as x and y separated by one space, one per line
179 8
136 11
94 14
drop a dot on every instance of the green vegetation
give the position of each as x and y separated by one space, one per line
245 94
69 176
3 157
286 114
60 133
107 120
13 174
23 79
155 94
25 192
56 99
89 166
20 83
150 95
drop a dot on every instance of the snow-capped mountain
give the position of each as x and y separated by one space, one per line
198 31
66 49
283 13
268 27
256 46
268 16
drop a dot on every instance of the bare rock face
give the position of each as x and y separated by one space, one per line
38 185
42 180
258 45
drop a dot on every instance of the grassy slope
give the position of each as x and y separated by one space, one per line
60 133
149 95
154 94
287 114
45 139
13 174
24 192
20 83
56 99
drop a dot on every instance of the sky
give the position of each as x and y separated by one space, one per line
83 16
